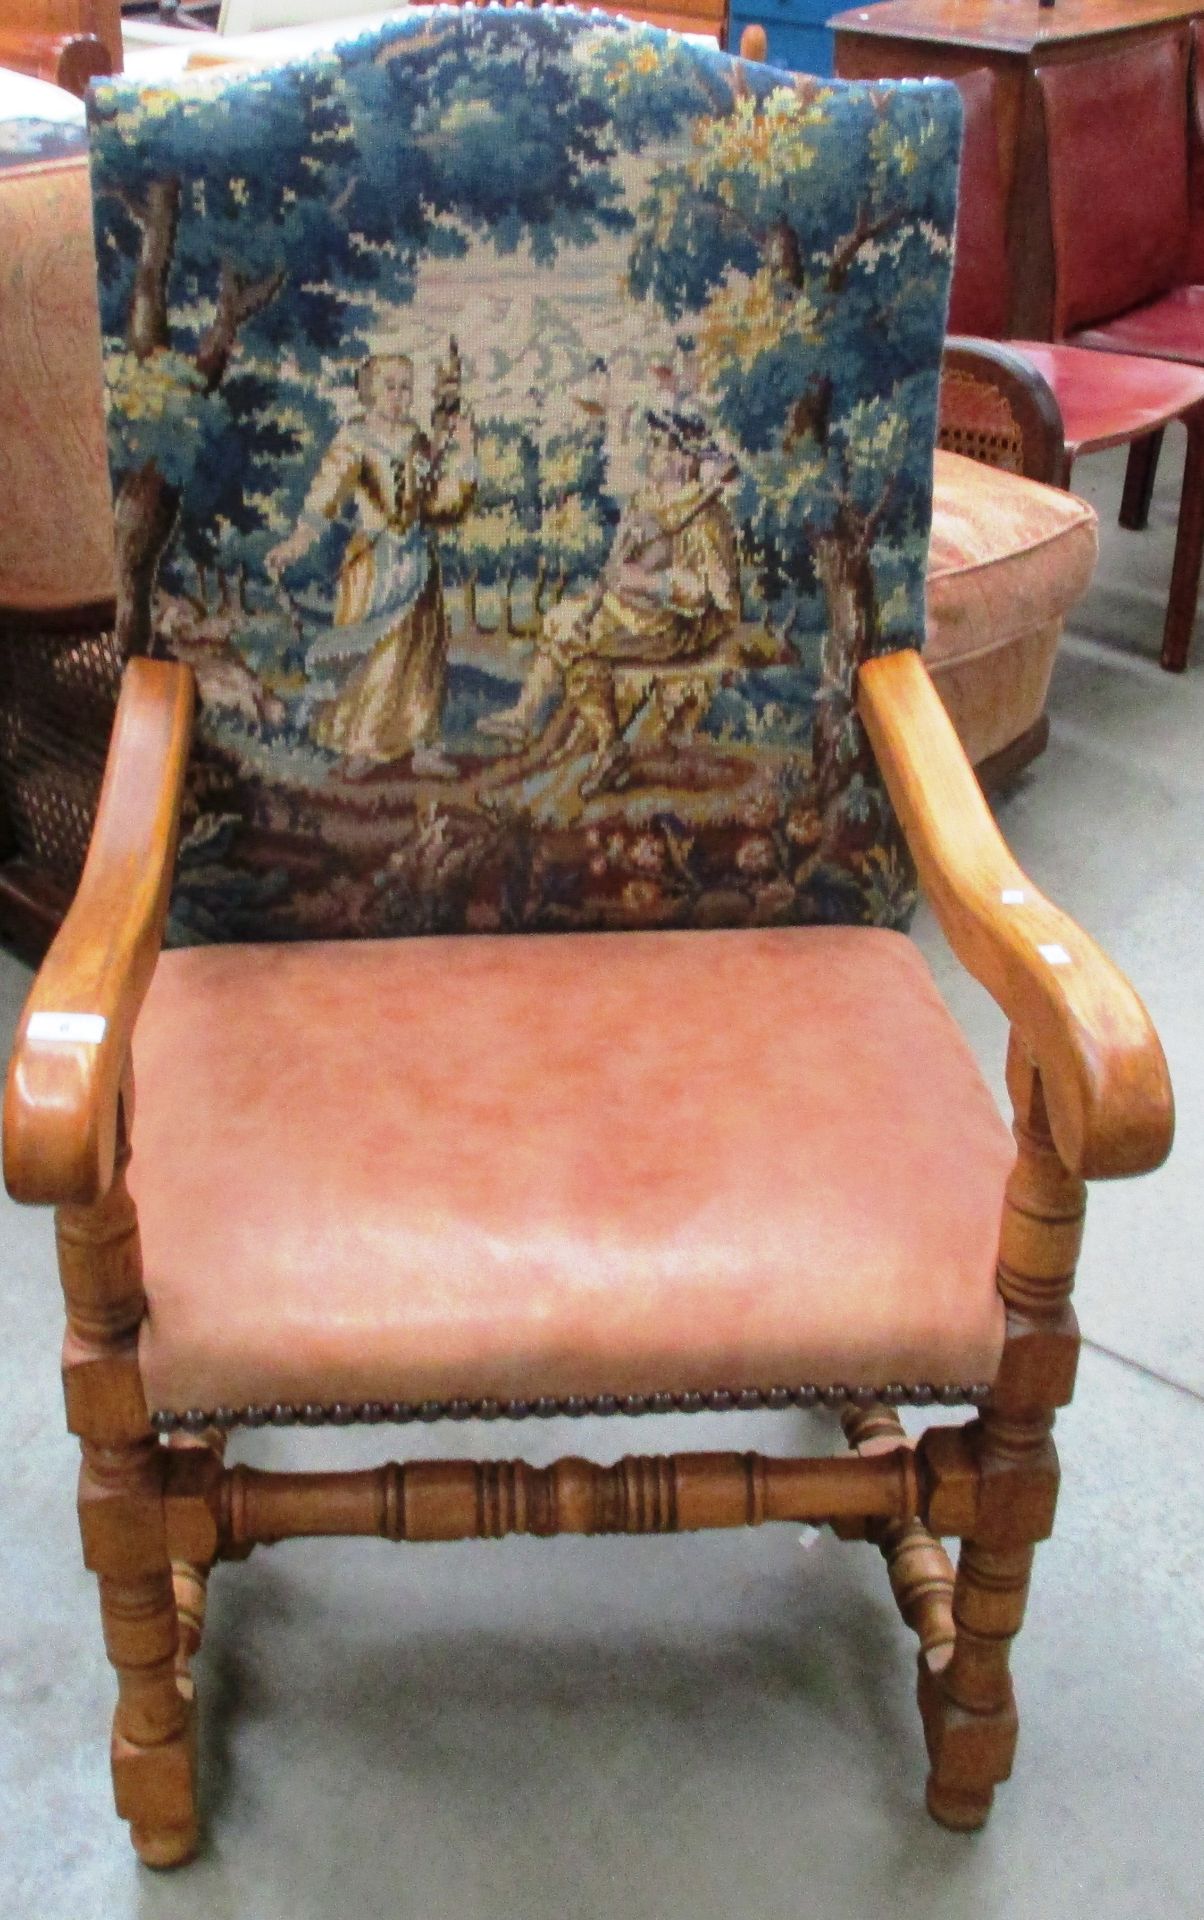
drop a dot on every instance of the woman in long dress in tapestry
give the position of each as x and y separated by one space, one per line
389 611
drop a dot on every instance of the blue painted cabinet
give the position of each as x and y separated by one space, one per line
798 38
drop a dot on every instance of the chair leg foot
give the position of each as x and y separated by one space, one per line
155 1791
166 1848
969 1753
959 1812
153 1746
967 1706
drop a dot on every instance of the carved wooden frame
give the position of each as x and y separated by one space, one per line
1091 1097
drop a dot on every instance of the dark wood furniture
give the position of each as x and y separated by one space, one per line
1122 248
1016 39
1104 400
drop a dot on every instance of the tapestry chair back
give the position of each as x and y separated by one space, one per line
522 422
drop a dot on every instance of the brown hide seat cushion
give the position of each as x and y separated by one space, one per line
573 1164
1007 560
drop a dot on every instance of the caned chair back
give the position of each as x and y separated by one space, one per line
523 424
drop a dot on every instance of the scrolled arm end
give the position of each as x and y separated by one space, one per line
1103 1073
70 1060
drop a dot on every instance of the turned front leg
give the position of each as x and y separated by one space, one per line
122 1524
969 1710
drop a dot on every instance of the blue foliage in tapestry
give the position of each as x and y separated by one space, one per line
522 423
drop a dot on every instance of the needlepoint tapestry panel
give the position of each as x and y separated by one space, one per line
522 422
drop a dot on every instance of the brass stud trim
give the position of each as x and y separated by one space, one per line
343 1413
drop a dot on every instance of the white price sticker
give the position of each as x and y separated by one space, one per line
74 1027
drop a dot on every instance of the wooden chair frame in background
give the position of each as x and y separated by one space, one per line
1091 1098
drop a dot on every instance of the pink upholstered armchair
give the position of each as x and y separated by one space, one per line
557 627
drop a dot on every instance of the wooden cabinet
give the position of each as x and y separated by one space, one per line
901 38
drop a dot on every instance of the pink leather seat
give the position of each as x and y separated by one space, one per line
1107 404
1170 328
578 1165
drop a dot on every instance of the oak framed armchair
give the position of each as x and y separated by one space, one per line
634 1098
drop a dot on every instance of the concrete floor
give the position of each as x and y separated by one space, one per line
721 1725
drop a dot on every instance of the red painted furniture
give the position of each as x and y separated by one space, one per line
1125 398
1127 286
1018 40
1195 156
1116 135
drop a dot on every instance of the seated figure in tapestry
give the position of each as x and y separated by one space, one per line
389 612
669 593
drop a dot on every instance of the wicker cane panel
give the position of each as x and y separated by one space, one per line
58 692
977 421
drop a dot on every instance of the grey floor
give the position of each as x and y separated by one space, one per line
722 1725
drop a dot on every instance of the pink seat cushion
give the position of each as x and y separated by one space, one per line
504 1167
1006 556
1171 328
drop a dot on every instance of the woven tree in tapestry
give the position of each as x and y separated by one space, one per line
523 425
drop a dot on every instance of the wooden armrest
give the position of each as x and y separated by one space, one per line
60 1110
1105 1080
997 407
